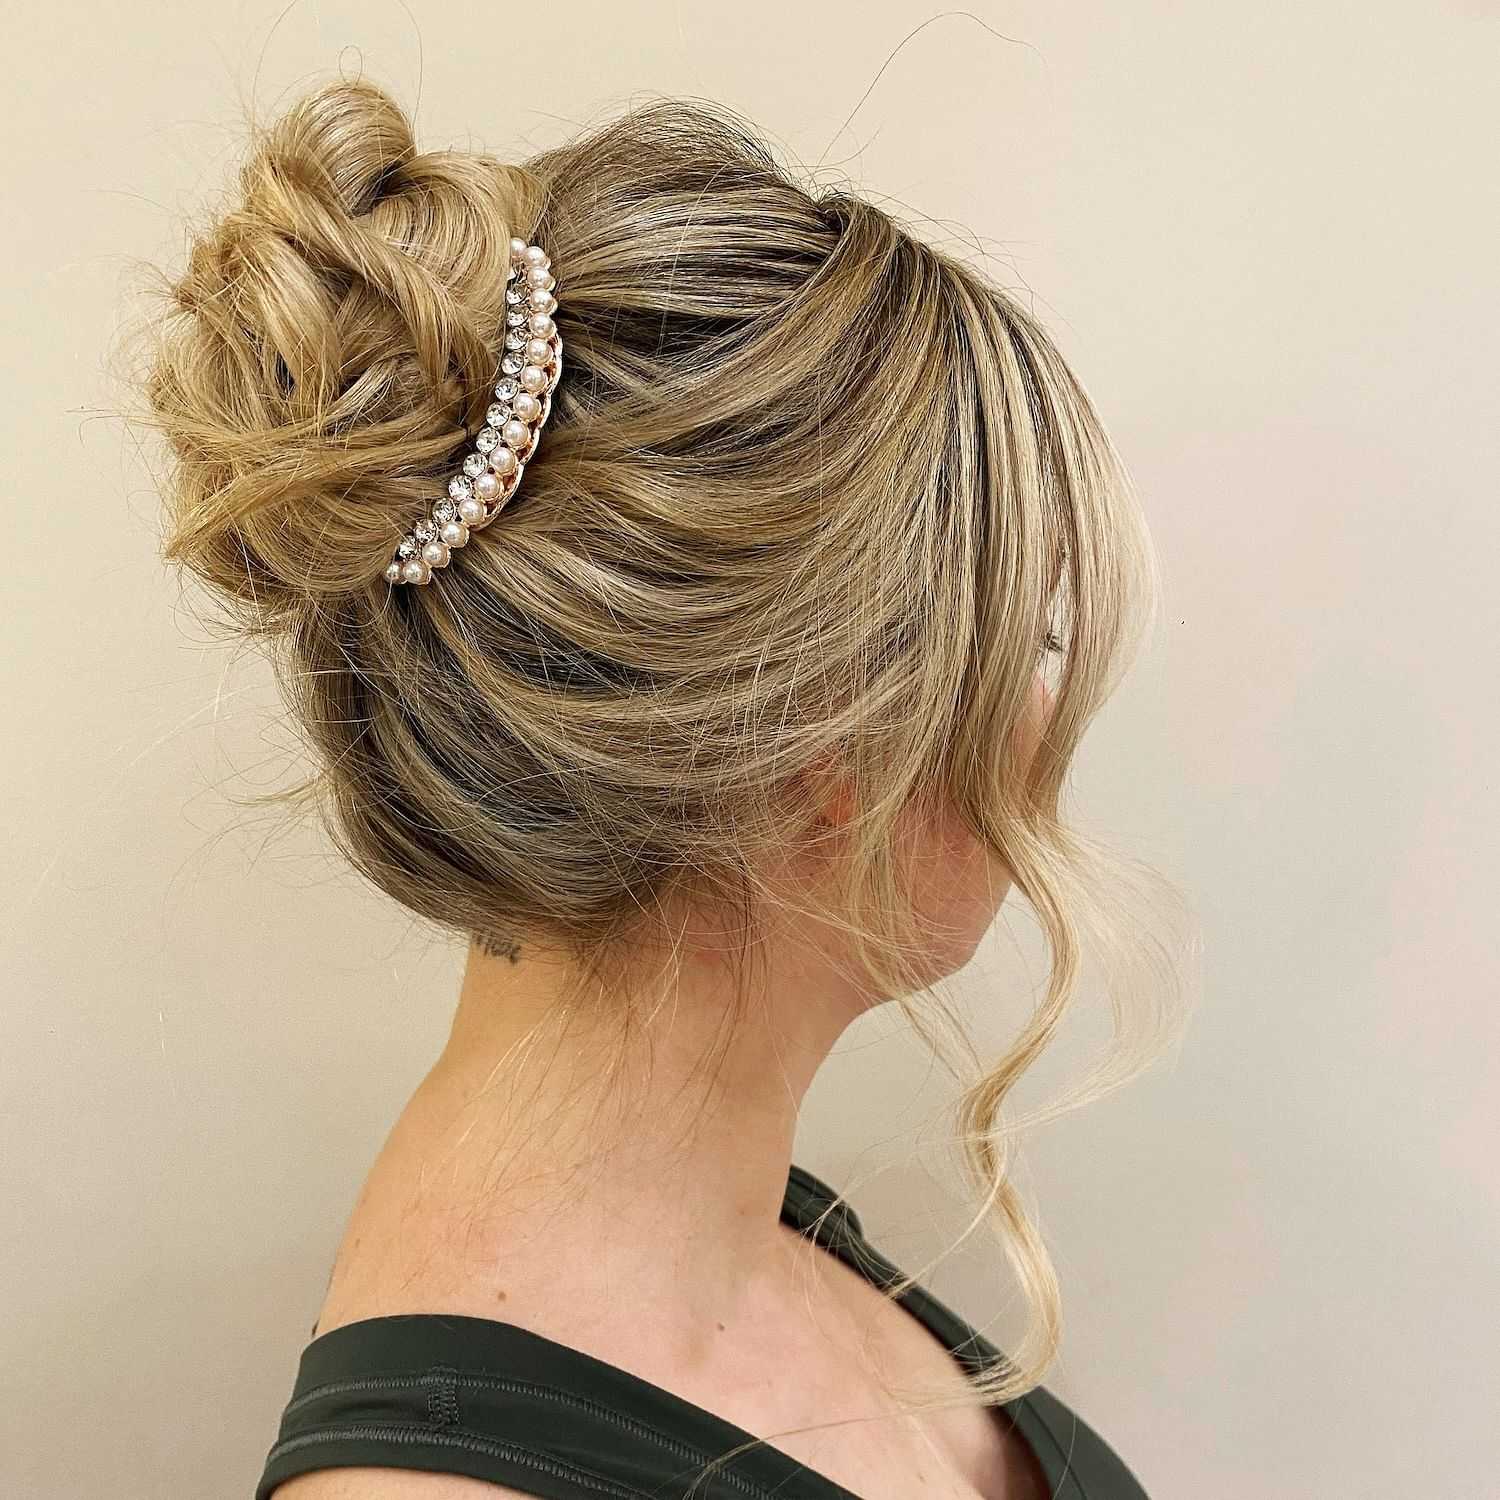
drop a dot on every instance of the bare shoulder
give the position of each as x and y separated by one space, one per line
391 1484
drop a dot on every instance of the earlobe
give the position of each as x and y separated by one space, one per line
840 806
1032 728
830 790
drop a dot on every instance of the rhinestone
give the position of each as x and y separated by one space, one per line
506 389
424 531
515 340
515 319
408 548
514 295
486 439
497 415
474 465
444 511
460 488
512 363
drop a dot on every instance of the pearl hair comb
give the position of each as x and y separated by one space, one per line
529 371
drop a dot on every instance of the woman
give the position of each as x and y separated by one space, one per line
738 714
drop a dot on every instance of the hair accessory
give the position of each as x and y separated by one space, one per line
488 478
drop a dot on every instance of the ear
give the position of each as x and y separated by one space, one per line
830 790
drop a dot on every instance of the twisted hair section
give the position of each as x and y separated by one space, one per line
333 337
812 490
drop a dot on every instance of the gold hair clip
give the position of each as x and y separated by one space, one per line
529 371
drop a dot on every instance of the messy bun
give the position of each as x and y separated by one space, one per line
811 490
332 338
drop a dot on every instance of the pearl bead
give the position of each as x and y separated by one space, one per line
516 434
534 379
487 486
435 554
527 407
416 571
541 278
455 533
393 572
538 352
518 250
471 510
541 301
536 256
504 461
542 327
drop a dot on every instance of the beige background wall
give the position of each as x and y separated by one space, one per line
1267 236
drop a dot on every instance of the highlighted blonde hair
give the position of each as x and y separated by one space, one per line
813 490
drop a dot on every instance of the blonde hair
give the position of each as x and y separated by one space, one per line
811 489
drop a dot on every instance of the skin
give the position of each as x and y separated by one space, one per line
542 1167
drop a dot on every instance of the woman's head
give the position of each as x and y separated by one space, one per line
817 504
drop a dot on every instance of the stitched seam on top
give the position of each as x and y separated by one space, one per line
473 1441
632 1425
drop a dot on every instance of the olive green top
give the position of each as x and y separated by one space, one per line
490 1400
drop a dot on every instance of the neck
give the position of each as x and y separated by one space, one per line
669 1122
